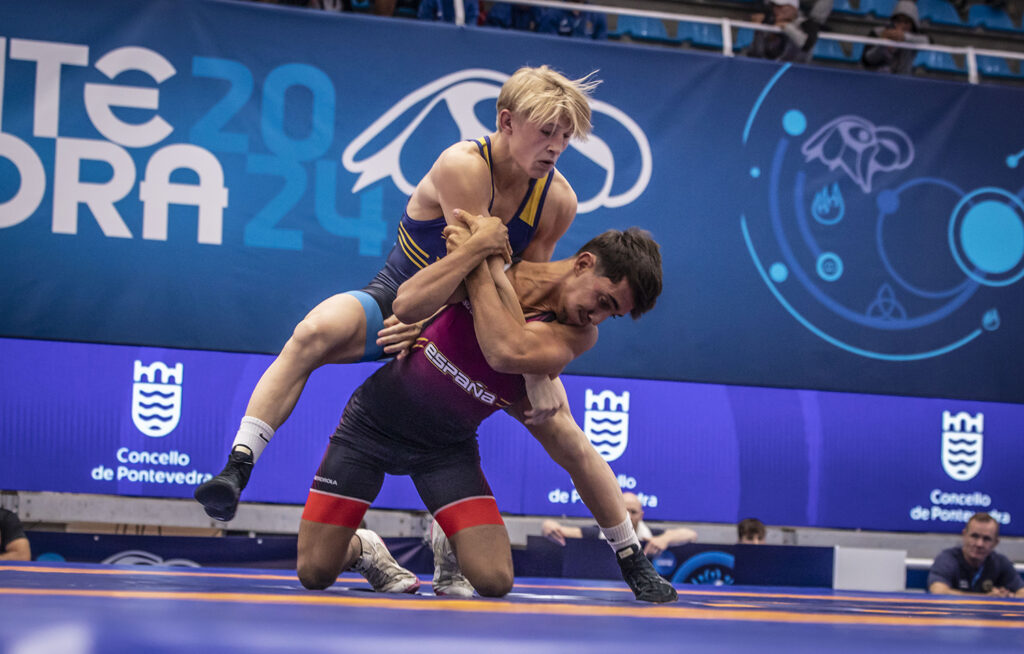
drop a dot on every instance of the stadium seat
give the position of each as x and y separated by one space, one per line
847 7
829 50
702 35
641 28
939 12
936 61
994 67
878 8
990 18
744 37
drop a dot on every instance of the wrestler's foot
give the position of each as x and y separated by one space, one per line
643 579
219 496
448 577
380 568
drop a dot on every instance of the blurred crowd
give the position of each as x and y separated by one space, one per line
799 22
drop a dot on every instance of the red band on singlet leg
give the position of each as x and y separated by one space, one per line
470 512
334 509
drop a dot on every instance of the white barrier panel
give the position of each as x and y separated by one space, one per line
858 568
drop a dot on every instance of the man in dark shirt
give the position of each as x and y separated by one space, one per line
13 544
976 567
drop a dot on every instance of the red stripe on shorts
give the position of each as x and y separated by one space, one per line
470 512
334 509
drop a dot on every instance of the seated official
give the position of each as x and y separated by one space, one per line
658 540
975 567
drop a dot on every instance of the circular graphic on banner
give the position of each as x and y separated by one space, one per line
860 245
707 568
986 236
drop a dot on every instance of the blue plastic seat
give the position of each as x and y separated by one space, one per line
990 18
878 8
936 61
847 7
994 67
939 12
641 28
744 37
702 35
829 50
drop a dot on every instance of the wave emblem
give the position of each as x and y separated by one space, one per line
606 423
458 94
142 557
156 398
962 445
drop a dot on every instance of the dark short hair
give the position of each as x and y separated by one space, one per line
983 517
750 528
632 254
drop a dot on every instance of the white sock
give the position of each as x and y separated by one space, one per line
621 535
254 434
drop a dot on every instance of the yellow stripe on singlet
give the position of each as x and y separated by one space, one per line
412 251
485 150
529 213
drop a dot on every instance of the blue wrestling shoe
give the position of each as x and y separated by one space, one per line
643 579
219 496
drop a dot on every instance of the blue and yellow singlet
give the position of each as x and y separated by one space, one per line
419 242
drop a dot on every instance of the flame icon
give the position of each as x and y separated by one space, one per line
990 320
828 206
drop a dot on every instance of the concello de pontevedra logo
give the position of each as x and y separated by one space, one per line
156 398
961 444
606 423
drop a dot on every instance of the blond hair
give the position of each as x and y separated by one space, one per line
542 95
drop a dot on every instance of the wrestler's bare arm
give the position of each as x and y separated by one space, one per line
542 348
458 183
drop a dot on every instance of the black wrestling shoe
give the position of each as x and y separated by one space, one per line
639 573
219 496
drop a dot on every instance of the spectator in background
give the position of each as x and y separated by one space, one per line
572 22
975 567
903 27
330 5
817 12
792 44
508 15
656 542
13 543
750 531
444 10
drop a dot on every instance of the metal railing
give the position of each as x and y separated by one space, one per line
970 53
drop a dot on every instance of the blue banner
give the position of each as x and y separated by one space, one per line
199 174
156 422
